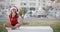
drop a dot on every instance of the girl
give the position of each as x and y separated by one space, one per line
13 17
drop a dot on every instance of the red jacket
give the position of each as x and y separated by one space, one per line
13 20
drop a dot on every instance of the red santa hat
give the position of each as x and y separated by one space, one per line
14 7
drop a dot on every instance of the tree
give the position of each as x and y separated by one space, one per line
22 13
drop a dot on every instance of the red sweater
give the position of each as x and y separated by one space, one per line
13 20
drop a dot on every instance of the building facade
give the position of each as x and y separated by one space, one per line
4 9
37 8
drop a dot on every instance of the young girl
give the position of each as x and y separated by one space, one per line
13 17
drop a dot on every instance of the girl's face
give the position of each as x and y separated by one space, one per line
13 10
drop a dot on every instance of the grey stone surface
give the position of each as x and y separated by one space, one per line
32 29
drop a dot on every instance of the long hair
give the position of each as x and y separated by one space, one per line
16 15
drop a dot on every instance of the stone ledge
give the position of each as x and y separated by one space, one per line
32 29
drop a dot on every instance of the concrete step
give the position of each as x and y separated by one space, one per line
32 29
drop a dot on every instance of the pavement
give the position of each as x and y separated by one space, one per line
32 29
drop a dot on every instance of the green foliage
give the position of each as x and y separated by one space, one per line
22 12
3 29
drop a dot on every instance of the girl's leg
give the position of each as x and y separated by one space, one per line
17 25
8 25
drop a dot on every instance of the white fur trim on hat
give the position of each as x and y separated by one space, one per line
13 8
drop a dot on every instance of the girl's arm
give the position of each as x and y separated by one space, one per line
10 16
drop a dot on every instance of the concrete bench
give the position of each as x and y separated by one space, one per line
32 29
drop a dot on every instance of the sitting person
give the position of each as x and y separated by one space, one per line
13 17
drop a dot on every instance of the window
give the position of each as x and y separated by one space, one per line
23 3
43 4
23 0
59 9
12 0
1 0
43 0
39 4
2 6
56 9
41 16
52 0
32 8
33 4
30 12
38 0
43 8
32 0
58 1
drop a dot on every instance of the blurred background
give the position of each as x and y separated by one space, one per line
36 9
38 12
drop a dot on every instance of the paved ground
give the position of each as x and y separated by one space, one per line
32 29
